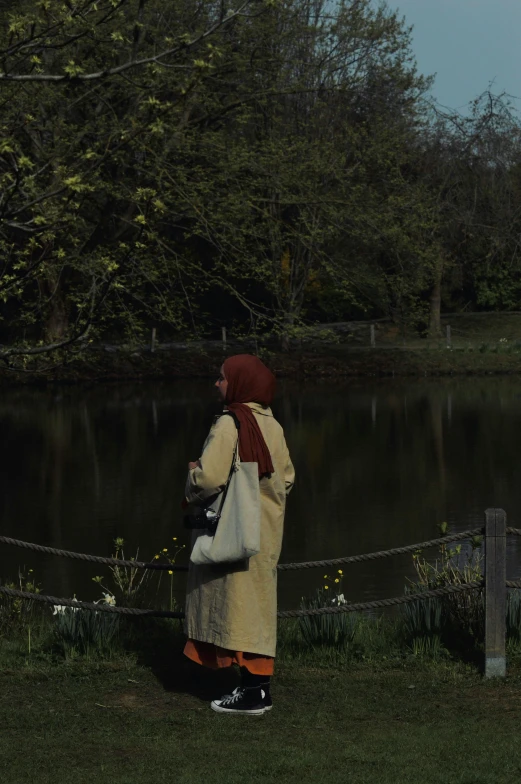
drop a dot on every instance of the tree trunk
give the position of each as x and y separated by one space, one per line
57 321
54 312
287 324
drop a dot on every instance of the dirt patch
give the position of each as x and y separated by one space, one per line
149 702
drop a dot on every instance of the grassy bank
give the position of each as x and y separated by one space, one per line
352 702
144 717
479 344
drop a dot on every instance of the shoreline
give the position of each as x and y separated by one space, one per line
201 360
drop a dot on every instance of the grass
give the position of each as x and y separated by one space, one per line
143 716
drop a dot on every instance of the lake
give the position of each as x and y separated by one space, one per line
379 464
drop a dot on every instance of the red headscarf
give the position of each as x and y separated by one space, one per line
249 381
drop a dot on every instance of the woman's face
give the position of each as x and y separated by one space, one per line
222 384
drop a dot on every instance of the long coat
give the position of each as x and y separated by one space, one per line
235 607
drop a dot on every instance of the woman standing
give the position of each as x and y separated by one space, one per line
231 610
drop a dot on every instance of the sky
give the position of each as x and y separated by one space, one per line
468 44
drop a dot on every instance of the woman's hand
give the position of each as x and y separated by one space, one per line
193 465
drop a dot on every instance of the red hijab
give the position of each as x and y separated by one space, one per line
249 381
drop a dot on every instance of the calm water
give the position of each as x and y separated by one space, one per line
378 465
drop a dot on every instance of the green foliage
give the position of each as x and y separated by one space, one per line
129 582
424 623
81 632
17 615
181 164
336 630
513 622
433 624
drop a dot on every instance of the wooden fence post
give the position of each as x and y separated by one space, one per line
495 593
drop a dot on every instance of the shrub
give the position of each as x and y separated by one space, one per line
513 620
84 632
336 630
424 621
454 618
16 615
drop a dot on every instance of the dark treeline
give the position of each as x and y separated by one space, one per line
256 164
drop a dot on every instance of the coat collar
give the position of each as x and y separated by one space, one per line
259 409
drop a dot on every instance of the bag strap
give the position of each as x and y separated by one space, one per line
234 461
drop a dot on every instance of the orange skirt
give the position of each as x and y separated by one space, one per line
210 655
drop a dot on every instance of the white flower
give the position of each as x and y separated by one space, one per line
60 609
341 599
108 598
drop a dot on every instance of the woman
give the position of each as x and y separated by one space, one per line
231 611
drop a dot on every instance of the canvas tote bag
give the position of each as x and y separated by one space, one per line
238 531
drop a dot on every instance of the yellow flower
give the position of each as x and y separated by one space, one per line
337 580
326 587
340 571
156 556
165 550
174 538
326 577
170 572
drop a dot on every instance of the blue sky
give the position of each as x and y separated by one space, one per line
468 44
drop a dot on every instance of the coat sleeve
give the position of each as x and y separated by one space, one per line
289 471
215 462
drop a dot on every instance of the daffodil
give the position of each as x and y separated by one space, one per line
340 571
156 556
326 587
169 572
337 580
165 550
325 577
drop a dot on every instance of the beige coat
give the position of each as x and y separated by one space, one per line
236 607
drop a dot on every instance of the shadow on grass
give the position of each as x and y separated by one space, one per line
159 646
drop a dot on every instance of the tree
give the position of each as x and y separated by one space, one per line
471 167
283 176
87 89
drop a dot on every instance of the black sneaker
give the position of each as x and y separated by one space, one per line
266 696
246 701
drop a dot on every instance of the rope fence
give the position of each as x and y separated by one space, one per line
77 605
40 548
410 548
339 609
494 583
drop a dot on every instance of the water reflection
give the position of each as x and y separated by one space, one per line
378 465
